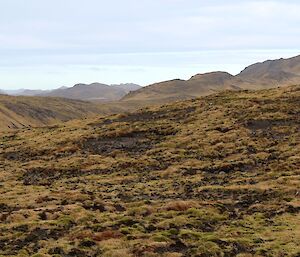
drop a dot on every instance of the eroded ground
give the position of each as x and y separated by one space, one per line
216 176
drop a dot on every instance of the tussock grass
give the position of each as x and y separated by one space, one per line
214 176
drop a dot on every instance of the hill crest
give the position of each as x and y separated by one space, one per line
267 74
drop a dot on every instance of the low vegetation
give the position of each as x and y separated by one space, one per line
214 176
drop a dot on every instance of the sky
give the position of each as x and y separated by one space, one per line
51 43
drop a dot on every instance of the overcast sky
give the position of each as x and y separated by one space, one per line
53 43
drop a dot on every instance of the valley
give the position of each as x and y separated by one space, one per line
27 111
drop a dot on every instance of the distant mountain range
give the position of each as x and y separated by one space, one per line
23 92
268 74
92 92
28 110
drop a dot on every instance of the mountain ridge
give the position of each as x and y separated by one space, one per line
81 91
261 75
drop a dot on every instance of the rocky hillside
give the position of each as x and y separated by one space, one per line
269 74
273 73
19 112
214 176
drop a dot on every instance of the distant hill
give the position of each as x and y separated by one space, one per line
25 92
127 87
271 73
22 111
93 92
200 84
88 92
268 74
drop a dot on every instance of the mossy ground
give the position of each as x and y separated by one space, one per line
215 176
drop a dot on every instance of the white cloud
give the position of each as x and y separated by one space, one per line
100 33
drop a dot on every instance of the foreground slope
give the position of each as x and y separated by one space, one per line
18 112
215 176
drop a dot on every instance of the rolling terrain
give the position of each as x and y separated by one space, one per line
268 74
212 176
21 111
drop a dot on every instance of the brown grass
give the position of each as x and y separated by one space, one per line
215 176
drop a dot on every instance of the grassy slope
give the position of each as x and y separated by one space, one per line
22 111
215 176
